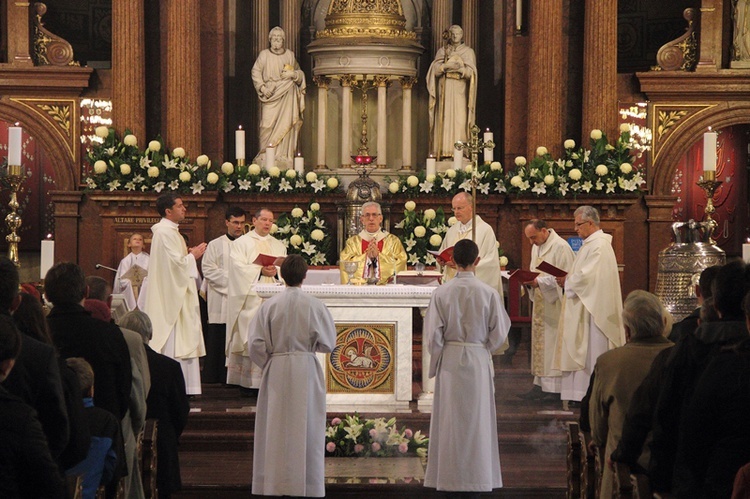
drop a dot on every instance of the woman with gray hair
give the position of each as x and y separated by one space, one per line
137 321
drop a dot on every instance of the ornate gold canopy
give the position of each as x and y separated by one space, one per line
366 18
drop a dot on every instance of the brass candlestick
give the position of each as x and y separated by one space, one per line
473 146
240 161
14 178
709 184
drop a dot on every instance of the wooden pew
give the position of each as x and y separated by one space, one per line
147 457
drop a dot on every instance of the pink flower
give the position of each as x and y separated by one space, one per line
403 447
330 447
373 433
359 448
375 447
408 433
335 421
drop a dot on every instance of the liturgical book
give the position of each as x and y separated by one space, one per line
266 260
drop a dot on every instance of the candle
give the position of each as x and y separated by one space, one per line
299 164
270 157
458 159
431 166
239 143
709 152
489 157
14 145
746 252
48 256
519 14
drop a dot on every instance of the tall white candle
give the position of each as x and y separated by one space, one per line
48 257
239 143
14 145
458 159
709 151
746 252
270 157
489 156
299 164
519 14
431 166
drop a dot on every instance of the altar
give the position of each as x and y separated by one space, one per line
370 369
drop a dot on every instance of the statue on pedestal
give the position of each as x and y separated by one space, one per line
452 85
741 33
280 84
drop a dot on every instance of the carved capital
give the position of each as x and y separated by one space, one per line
347 80
381 81
407 82
322 81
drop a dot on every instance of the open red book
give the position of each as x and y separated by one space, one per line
266 260
524 276
551 269
446 255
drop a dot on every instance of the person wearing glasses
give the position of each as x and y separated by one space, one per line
379 254
592 313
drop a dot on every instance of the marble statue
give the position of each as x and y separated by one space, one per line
280 84
452 85
741 31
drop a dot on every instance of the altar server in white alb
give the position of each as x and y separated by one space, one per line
488 269
137 257
242 301
592 314
287 331
464 323
172 299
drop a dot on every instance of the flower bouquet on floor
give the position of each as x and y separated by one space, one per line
356 437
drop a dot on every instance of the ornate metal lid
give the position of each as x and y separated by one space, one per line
366 18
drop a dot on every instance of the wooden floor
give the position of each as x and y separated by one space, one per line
216 447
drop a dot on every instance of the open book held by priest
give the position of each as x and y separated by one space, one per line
266 260
446 255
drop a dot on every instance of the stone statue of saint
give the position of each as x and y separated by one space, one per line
741 33
281 89
452 85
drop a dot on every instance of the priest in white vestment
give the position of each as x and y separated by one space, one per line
242 301
290 422
172 299
280 84
379 254
488 269
547 298
137 256
464 323
592 312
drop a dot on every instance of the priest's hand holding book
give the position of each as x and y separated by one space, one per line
444 258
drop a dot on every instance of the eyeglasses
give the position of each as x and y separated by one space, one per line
371 215
578 224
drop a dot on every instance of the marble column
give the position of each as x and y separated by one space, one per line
442 18
382 85
600 68
546 121
259 15
322 82
406 84
470 22
182 27
346 82
128 68
291 24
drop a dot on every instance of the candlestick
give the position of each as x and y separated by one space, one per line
709 185
270 157
709 151
14 145
489 156
239 143
48 257
299 164
431 166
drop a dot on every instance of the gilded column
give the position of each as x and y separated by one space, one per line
322 82
600 68
406 84
346 82
442 18
291 24
546 122
183 127
382 84
469 22
128 68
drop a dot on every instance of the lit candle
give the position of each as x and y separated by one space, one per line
488 153
299 164
519 14
431 166
239 143
746 252
709 152
14 145
458 159
48 256
270 157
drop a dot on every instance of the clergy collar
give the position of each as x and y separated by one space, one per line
230 237
170 223
255 234
370 236
464 227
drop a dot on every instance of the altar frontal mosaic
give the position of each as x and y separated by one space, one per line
362 360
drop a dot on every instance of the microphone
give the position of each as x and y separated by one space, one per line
100 266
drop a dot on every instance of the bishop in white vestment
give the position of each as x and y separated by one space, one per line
592 313
172 299
242 301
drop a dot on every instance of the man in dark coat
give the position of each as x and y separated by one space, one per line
703 292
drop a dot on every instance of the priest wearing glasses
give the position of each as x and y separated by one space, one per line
378 253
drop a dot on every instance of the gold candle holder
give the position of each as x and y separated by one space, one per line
709 184
240 161
13 220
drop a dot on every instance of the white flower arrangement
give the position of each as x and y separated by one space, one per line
421 231
304 232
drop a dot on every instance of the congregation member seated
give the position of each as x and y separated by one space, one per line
702 292
106 449
167 402
26 465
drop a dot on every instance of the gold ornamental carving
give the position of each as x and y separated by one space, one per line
408 82
381 81
668 119
680 54
60 115
347 80
364 18
322 81
50 49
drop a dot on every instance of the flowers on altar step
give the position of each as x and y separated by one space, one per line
304 233
421 231
356 437
119 165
